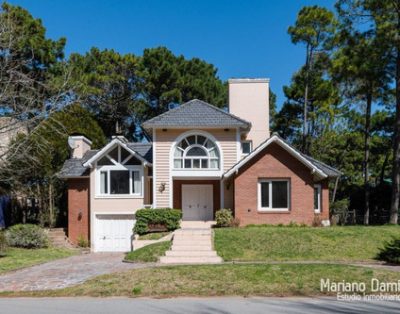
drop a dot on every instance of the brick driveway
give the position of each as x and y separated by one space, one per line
64 272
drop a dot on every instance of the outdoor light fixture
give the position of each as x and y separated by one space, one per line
80 214
162 187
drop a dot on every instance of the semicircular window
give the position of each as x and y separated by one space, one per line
196 152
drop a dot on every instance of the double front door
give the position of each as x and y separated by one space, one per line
197 202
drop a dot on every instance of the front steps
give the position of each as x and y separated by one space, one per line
58 238
192 246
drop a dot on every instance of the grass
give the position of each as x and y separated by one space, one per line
273 243
153 236
16 258
219 280
149 253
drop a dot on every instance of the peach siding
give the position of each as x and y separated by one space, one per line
163 142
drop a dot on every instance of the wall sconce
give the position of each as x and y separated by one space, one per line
226 130
80 214
162 187
164 130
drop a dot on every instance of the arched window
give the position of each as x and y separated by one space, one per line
196 152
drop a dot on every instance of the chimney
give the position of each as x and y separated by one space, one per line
249 100
79 145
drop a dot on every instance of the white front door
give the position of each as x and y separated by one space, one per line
197 202
113 233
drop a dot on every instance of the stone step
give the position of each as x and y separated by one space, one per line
190 260
191 253
178 247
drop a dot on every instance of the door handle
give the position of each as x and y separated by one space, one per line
104 237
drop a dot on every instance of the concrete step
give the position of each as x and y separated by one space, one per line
192 242
190 253
178 247
190 260
192 232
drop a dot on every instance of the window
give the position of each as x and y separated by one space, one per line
246 147
273 195
317 198
119 173
196 152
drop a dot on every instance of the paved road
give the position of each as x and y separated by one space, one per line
64 272
192 305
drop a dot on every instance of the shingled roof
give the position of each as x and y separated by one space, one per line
74 167
196 113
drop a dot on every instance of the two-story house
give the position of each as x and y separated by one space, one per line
200 159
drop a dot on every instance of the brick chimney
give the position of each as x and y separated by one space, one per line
249 100
79 145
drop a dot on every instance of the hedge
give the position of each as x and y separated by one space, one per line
158 219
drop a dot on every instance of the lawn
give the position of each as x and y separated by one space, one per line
149 253
219 280
19 258
273 243
153 236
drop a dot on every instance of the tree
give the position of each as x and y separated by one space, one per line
382 17
106 83
359 64
48 150
168 80
313 28
32 76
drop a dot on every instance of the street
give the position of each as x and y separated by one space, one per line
191 305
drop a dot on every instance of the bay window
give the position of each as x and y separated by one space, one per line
273 195
119 173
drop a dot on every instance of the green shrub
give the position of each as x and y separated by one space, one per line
27 236
82 242
3 244
339 211
160 219
390 252
224 217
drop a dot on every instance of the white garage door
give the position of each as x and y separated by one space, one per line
113 233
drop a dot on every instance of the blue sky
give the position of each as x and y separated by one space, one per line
241 38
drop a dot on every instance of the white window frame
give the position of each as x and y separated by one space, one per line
118 165
241 147
319 209
269 208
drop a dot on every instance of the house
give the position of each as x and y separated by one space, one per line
201 159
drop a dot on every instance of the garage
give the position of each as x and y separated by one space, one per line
113 233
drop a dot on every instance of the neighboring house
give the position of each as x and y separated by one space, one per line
9 129
201 159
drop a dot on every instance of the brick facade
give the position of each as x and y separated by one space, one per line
276 163
78 209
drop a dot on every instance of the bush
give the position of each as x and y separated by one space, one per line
160 219
224 217
27 236
317 221
391 252
3 244
82 242
339 211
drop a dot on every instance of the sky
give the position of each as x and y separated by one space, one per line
241 38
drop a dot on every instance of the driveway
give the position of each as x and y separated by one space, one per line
192 305
64 272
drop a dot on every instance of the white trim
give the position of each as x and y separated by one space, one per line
154 170
81 137
275 139
248 80
238 147
195 172
270 208
241 147
108 147
221 195
318 210
131 169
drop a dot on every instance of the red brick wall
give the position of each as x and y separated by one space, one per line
78 209
276 163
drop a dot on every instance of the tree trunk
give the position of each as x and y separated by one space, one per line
51 207
394 206
305 106
366 158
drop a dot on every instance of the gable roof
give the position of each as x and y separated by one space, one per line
319 169
79 167
196 113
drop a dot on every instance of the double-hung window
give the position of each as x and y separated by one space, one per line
317 198
273 195
119 174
